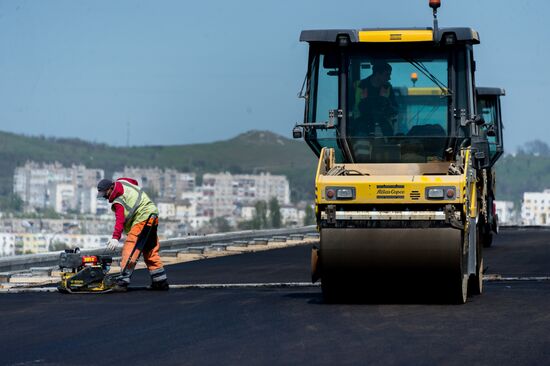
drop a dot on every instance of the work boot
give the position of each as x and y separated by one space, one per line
159 286
120 286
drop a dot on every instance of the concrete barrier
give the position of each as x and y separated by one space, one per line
217 247
172 253
240 243
195 250
296 237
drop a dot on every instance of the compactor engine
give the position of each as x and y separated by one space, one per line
406 144
81 273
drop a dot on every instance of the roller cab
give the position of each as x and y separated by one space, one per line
404 157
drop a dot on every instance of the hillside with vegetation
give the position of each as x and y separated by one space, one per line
251 152
526 171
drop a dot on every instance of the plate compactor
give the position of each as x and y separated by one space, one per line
90 273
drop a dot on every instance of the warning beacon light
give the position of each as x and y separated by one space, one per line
414 78
434 4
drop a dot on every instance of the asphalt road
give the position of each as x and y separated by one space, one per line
508 325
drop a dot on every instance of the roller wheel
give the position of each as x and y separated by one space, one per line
459 290
475 284
330 291
486 233
487 239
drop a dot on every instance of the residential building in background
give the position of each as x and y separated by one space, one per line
45 185
224 193
63 197
163 183
217 190
7 244
535 208
29 243
506 213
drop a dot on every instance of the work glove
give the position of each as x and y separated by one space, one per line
113 244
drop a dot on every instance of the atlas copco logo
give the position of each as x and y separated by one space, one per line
395 191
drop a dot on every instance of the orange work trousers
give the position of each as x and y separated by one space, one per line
151 257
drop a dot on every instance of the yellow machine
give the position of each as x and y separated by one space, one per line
403 184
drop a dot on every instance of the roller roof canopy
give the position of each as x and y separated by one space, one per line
383 35
481 90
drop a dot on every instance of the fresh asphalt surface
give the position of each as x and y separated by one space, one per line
508 325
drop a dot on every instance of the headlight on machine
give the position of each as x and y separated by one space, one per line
340 193
440 193
435 193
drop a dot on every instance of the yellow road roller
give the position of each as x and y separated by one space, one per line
404 179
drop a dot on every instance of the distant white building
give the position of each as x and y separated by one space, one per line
47 185
535 208
91 204
80 240
40 242
224 192
167 210
261 187
165 183
62 197
186 210
292 215
506 213
7 244
247 212
218 199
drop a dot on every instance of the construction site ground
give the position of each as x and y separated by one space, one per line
286 321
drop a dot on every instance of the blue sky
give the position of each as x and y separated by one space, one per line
180 72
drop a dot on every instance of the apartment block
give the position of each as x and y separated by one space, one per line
54 186
218 195
535 208
7 244
165 183
505 212
224 192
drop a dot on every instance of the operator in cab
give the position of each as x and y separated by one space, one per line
377 104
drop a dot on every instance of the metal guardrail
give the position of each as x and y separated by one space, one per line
523 227
25 262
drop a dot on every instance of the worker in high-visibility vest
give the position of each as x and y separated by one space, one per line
132 207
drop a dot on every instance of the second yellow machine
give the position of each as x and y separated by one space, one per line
403 187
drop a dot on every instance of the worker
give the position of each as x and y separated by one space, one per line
377 104
132 208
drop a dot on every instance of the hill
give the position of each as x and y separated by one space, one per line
250 152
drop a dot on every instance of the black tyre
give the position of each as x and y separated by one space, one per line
331 294
487 239
475 283
459 292
458 289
